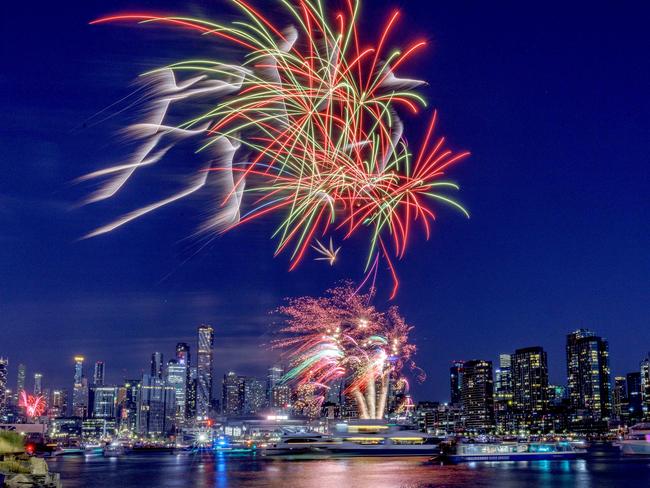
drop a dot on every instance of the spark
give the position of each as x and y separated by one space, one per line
328 254
307 128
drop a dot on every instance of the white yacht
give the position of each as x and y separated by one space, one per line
637 441
358 439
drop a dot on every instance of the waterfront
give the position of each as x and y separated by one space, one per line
600 468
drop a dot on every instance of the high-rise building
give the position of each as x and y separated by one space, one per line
127 406
98 377
530 387
177 375
183 354
588 376
478 395
191 392
156 409
456 382
254 395
80 389
281 398
619 398
503 394
4 363
234 390
634 397
105 402
157 367
645 385
38 383
59 403
20 382
204 371
274 377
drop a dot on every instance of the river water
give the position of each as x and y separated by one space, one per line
599 469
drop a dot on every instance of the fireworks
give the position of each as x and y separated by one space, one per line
341 337
307 127
34 405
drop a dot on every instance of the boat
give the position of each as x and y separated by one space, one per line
355 439
114 449
510 451
93 450
637 441
68 451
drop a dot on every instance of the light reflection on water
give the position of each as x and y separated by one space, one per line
222 471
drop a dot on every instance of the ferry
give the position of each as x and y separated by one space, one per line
114 449
357 439
637 441
511 451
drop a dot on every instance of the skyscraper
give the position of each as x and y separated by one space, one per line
232 402
456 382
38 383
157 366
503 394
619 398
59 404
4 363
530 387
183 354
254 395
634 398
204 371
588 376
80 389
20 381
273 378
191 392
177 375
105 402
156 407
645 385
98 377
478 395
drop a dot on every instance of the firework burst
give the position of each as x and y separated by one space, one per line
34 405
342 337
307 127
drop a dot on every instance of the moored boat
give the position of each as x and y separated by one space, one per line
637 441
357 439
510 451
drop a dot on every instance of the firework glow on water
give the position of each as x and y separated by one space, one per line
341 338
307 128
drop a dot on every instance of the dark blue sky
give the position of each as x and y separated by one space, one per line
551 99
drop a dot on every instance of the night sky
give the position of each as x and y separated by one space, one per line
552 100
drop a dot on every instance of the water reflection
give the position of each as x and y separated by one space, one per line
220 470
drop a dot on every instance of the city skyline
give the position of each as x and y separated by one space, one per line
496 367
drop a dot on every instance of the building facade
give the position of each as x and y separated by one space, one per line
98 376
177 376
588 377
4 401
456 382
478 395
204 371
530 387
79 389
156 408
104 402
